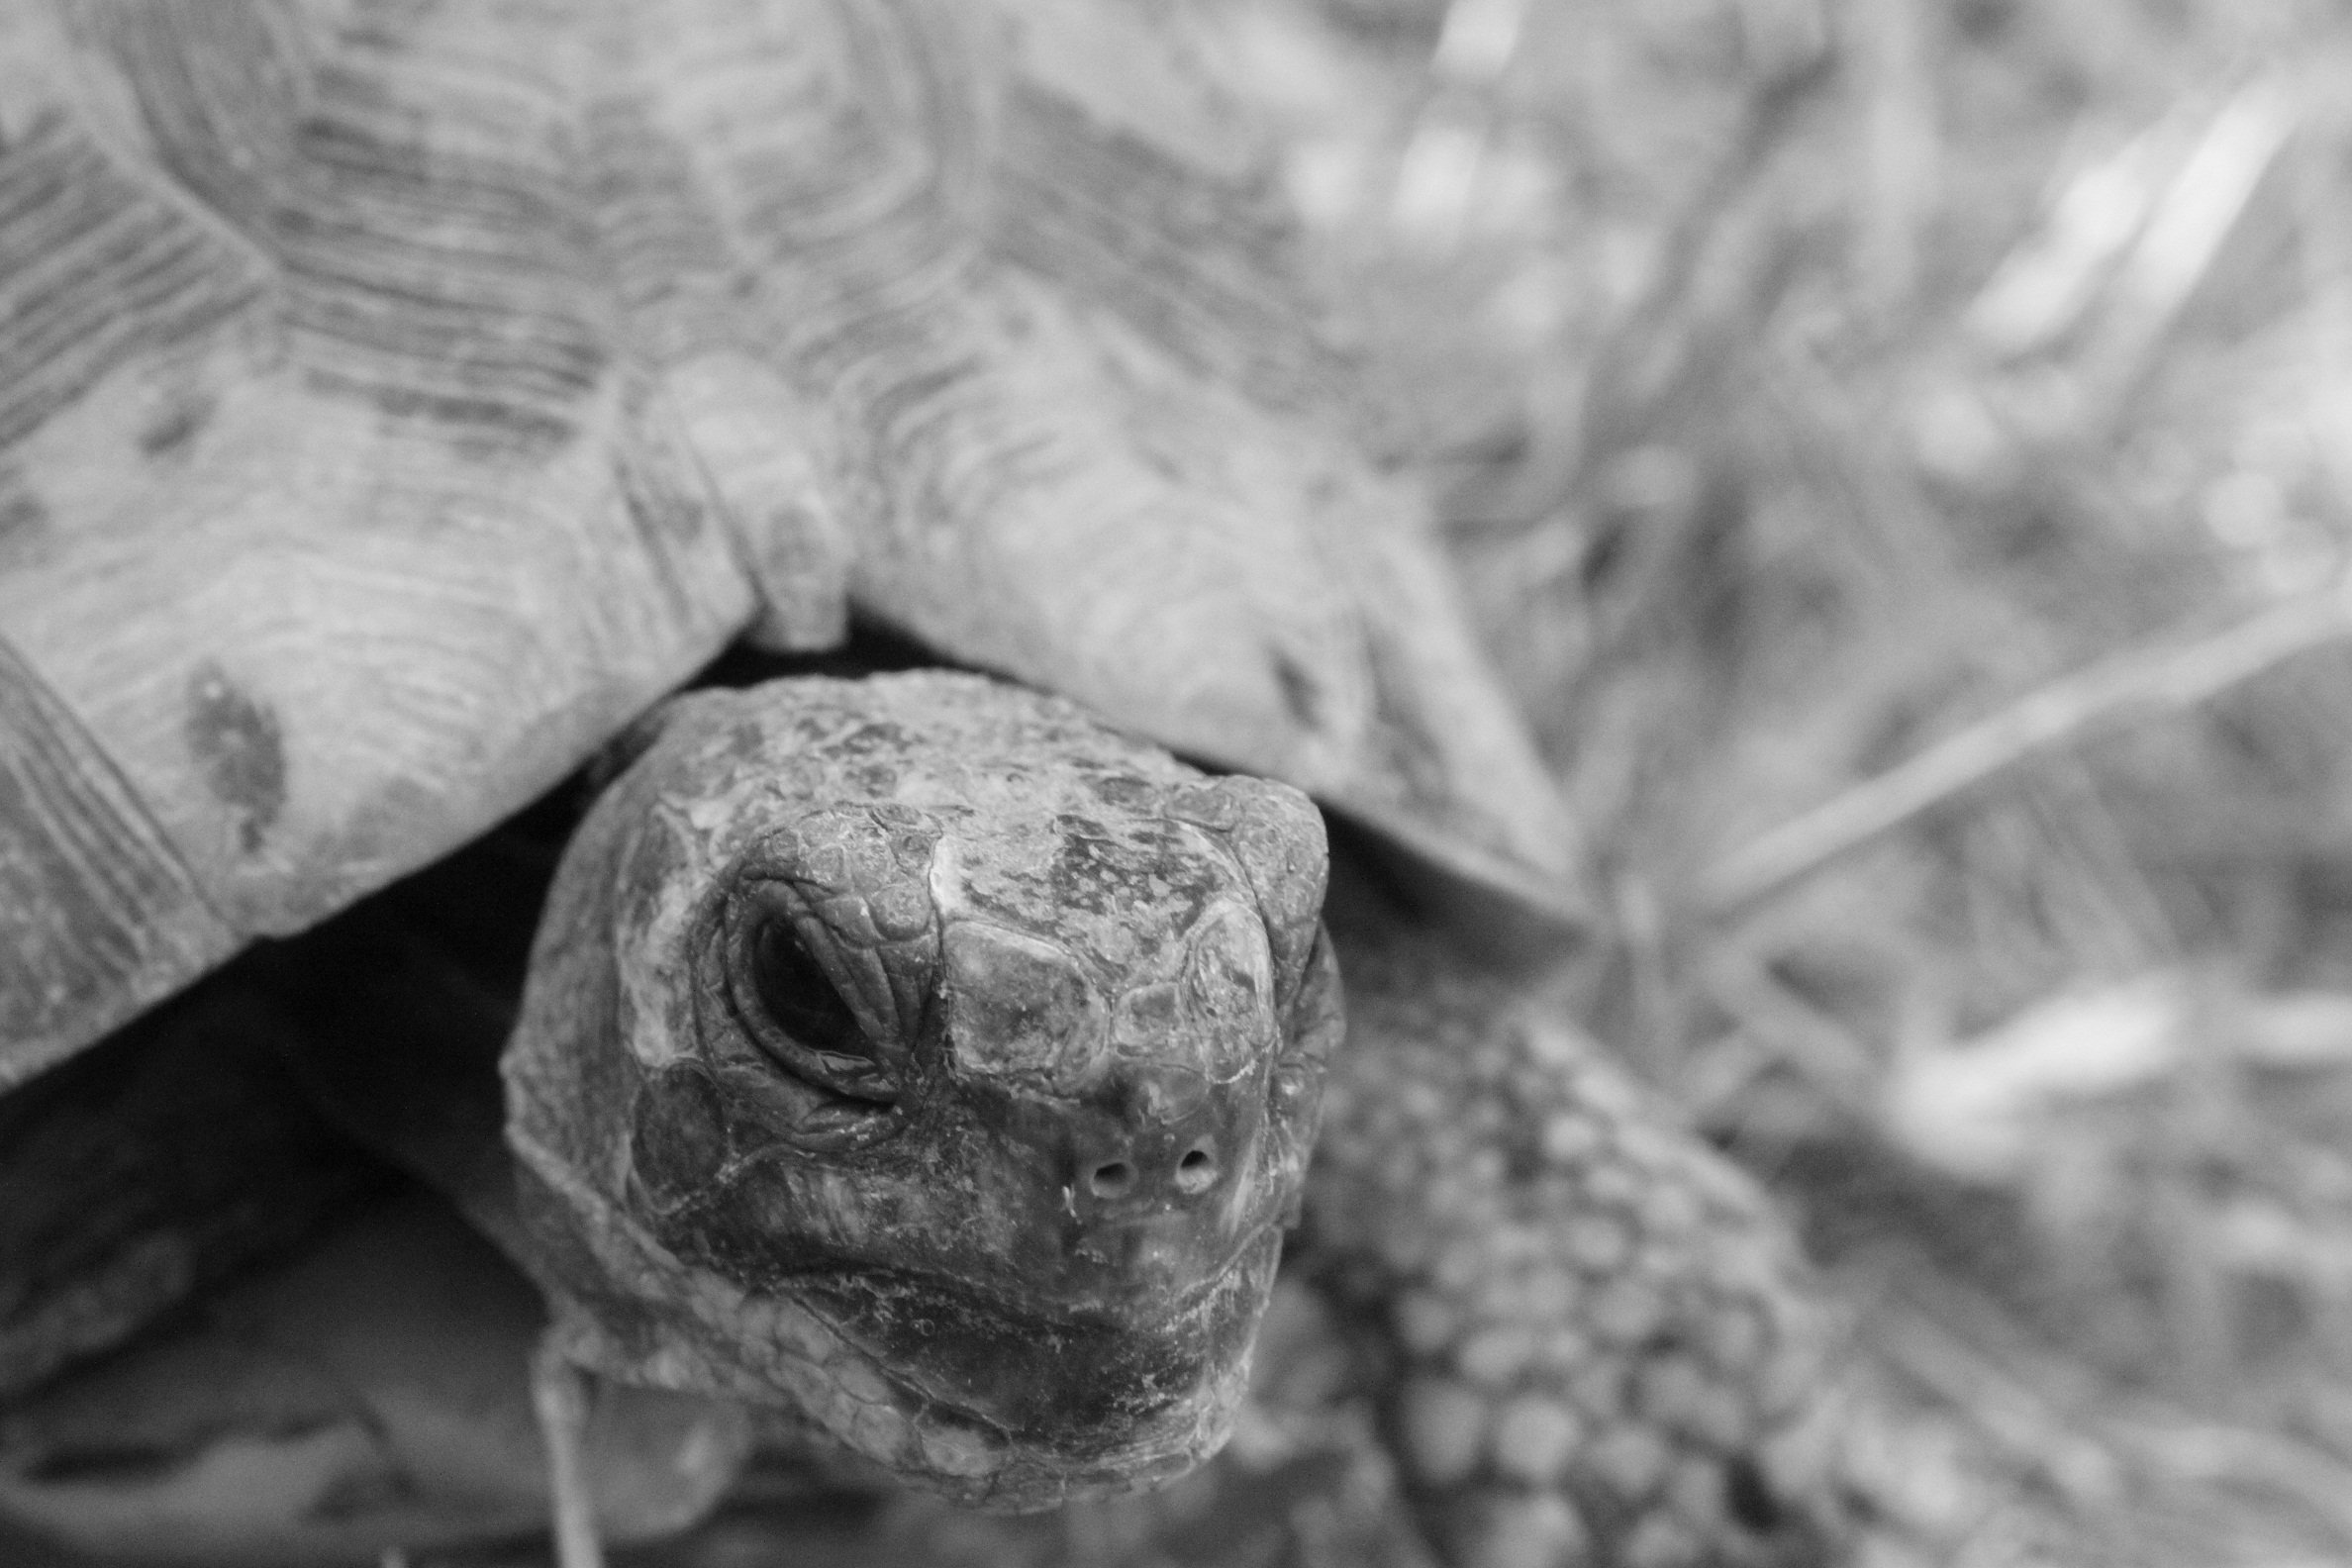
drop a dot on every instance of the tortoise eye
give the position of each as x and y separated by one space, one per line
813 1032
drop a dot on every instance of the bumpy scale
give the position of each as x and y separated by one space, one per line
1597 1339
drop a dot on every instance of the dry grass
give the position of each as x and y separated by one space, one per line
1902 453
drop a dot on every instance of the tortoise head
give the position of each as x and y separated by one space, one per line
918 1055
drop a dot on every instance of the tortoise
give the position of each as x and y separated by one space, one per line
399 402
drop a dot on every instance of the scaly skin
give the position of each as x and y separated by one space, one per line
1596 1340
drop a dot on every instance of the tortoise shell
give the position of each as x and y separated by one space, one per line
397 399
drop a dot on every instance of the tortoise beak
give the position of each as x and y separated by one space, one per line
1074 1406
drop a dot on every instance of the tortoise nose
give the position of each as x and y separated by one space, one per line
1159 1178
1169 1147
1146 1172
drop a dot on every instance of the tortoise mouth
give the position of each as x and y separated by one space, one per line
1005 1407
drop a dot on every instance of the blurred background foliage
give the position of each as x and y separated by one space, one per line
1901 455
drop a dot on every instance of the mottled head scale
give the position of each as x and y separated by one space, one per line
875 1065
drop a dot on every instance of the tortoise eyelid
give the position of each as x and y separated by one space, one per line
797 1017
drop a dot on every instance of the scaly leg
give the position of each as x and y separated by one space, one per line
1594 1337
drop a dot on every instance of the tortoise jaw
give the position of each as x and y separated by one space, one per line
1013 1411
810 1344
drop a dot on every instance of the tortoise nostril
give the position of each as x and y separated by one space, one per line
1192 1174
1197 1171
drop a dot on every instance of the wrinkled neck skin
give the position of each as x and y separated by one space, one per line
914 1054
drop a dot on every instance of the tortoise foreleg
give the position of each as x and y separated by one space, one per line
1593 1339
